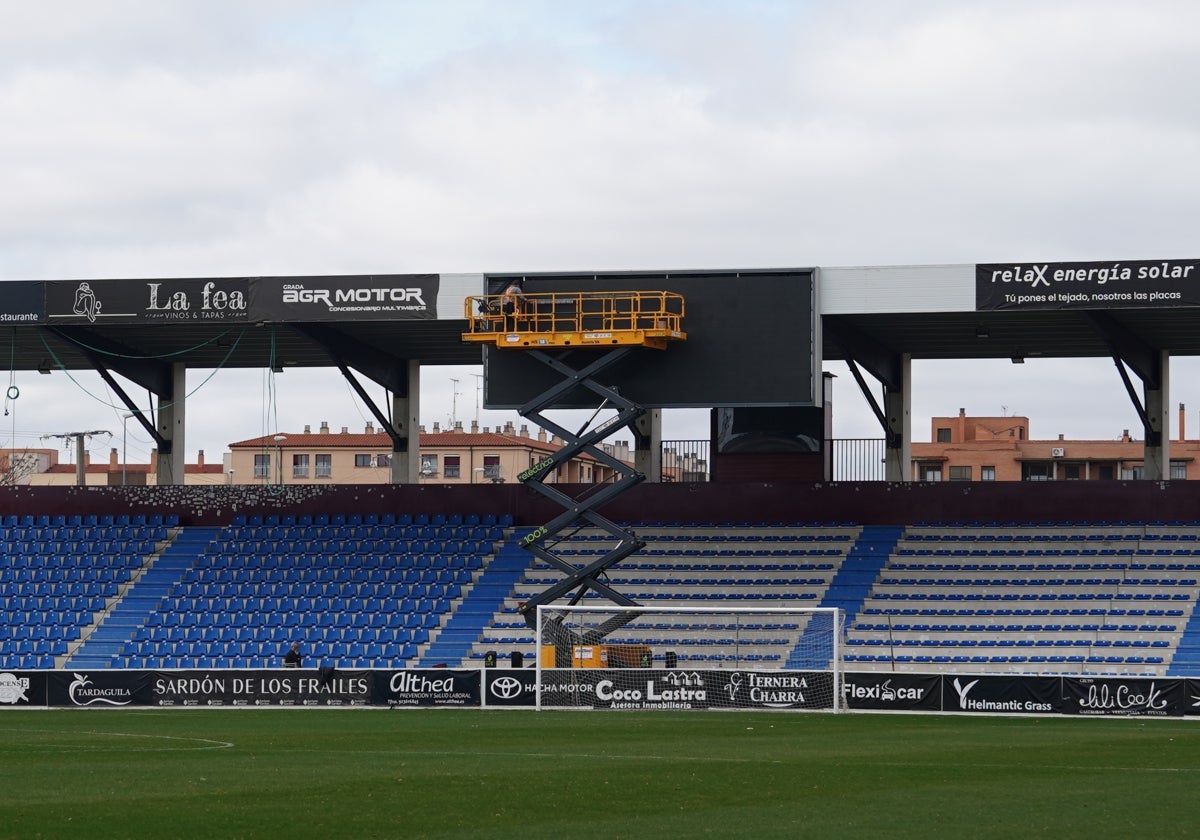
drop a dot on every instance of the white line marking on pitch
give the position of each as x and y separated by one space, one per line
209 742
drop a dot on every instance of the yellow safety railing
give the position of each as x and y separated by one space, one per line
565 319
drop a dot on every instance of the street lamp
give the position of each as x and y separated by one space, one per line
279 439
124 446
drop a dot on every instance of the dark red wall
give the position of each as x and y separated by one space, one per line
755 467
865 503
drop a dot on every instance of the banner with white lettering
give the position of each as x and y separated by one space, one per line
1001 695
22 302
283 687
379 297
21 689
1124 697
427 687
1087 285
99 689
215 300
893 692
684 689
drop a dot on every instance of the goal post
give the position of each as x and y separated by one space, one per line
689 657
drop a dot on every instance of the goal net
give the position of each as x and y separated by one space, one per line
660 657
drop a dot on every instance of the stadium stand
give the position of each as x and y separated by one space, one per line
1031 599
764 565
400 591
356 591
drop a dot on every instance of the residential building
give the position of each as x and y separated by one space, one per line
966 448
451 456
42 468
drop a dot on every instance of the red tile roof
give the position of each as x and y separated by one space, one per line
380 439
106 467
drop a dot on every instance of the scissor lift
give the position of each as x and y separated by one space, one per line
579 335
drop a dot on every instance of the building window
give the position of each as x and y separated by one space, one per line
363 460
262 466
960 473
1036 472
1070 472
943 435
324 466
931 473
299 466
384 461
1133 473
987 473
491 468
429 465
1178 470
451 466
1105 472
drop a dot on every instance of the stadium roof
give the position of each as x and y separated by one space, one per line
929 312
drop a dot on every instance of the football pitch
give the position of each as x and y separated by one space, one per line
300 773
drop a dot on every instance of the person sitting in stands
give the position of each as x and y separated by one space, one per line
293 659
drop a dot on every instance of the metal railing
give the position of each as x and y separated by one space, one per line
590 317
850 459
857 459
685 460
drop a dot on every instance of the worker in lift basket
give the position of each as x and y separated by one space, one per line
512 303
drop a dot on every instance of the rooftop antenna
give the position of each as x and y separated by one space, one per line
478 391
454 404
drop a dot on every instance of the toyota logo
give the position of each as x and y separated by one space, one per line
506 688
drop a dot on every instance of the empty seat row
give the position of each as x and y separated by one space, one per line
337 519
987 612
856 641
1078 659
1056 596
89 520
903 627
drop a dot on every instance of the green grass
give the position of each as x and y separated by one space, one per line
301 773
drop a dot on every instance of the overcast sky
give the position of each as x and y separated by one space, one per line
275 137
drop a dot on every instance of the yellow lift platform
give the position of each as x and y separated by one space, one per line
550 327
577 319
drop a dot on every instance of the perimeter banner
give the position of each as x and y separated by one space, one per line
1087 285
20 689
216 300
1124 697
217 687
1191 702
99 689
677 690
381 297
22 302
509 687
427 687
1002 695
893 691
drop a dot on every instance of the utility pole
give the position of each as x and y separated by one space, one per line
79 438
